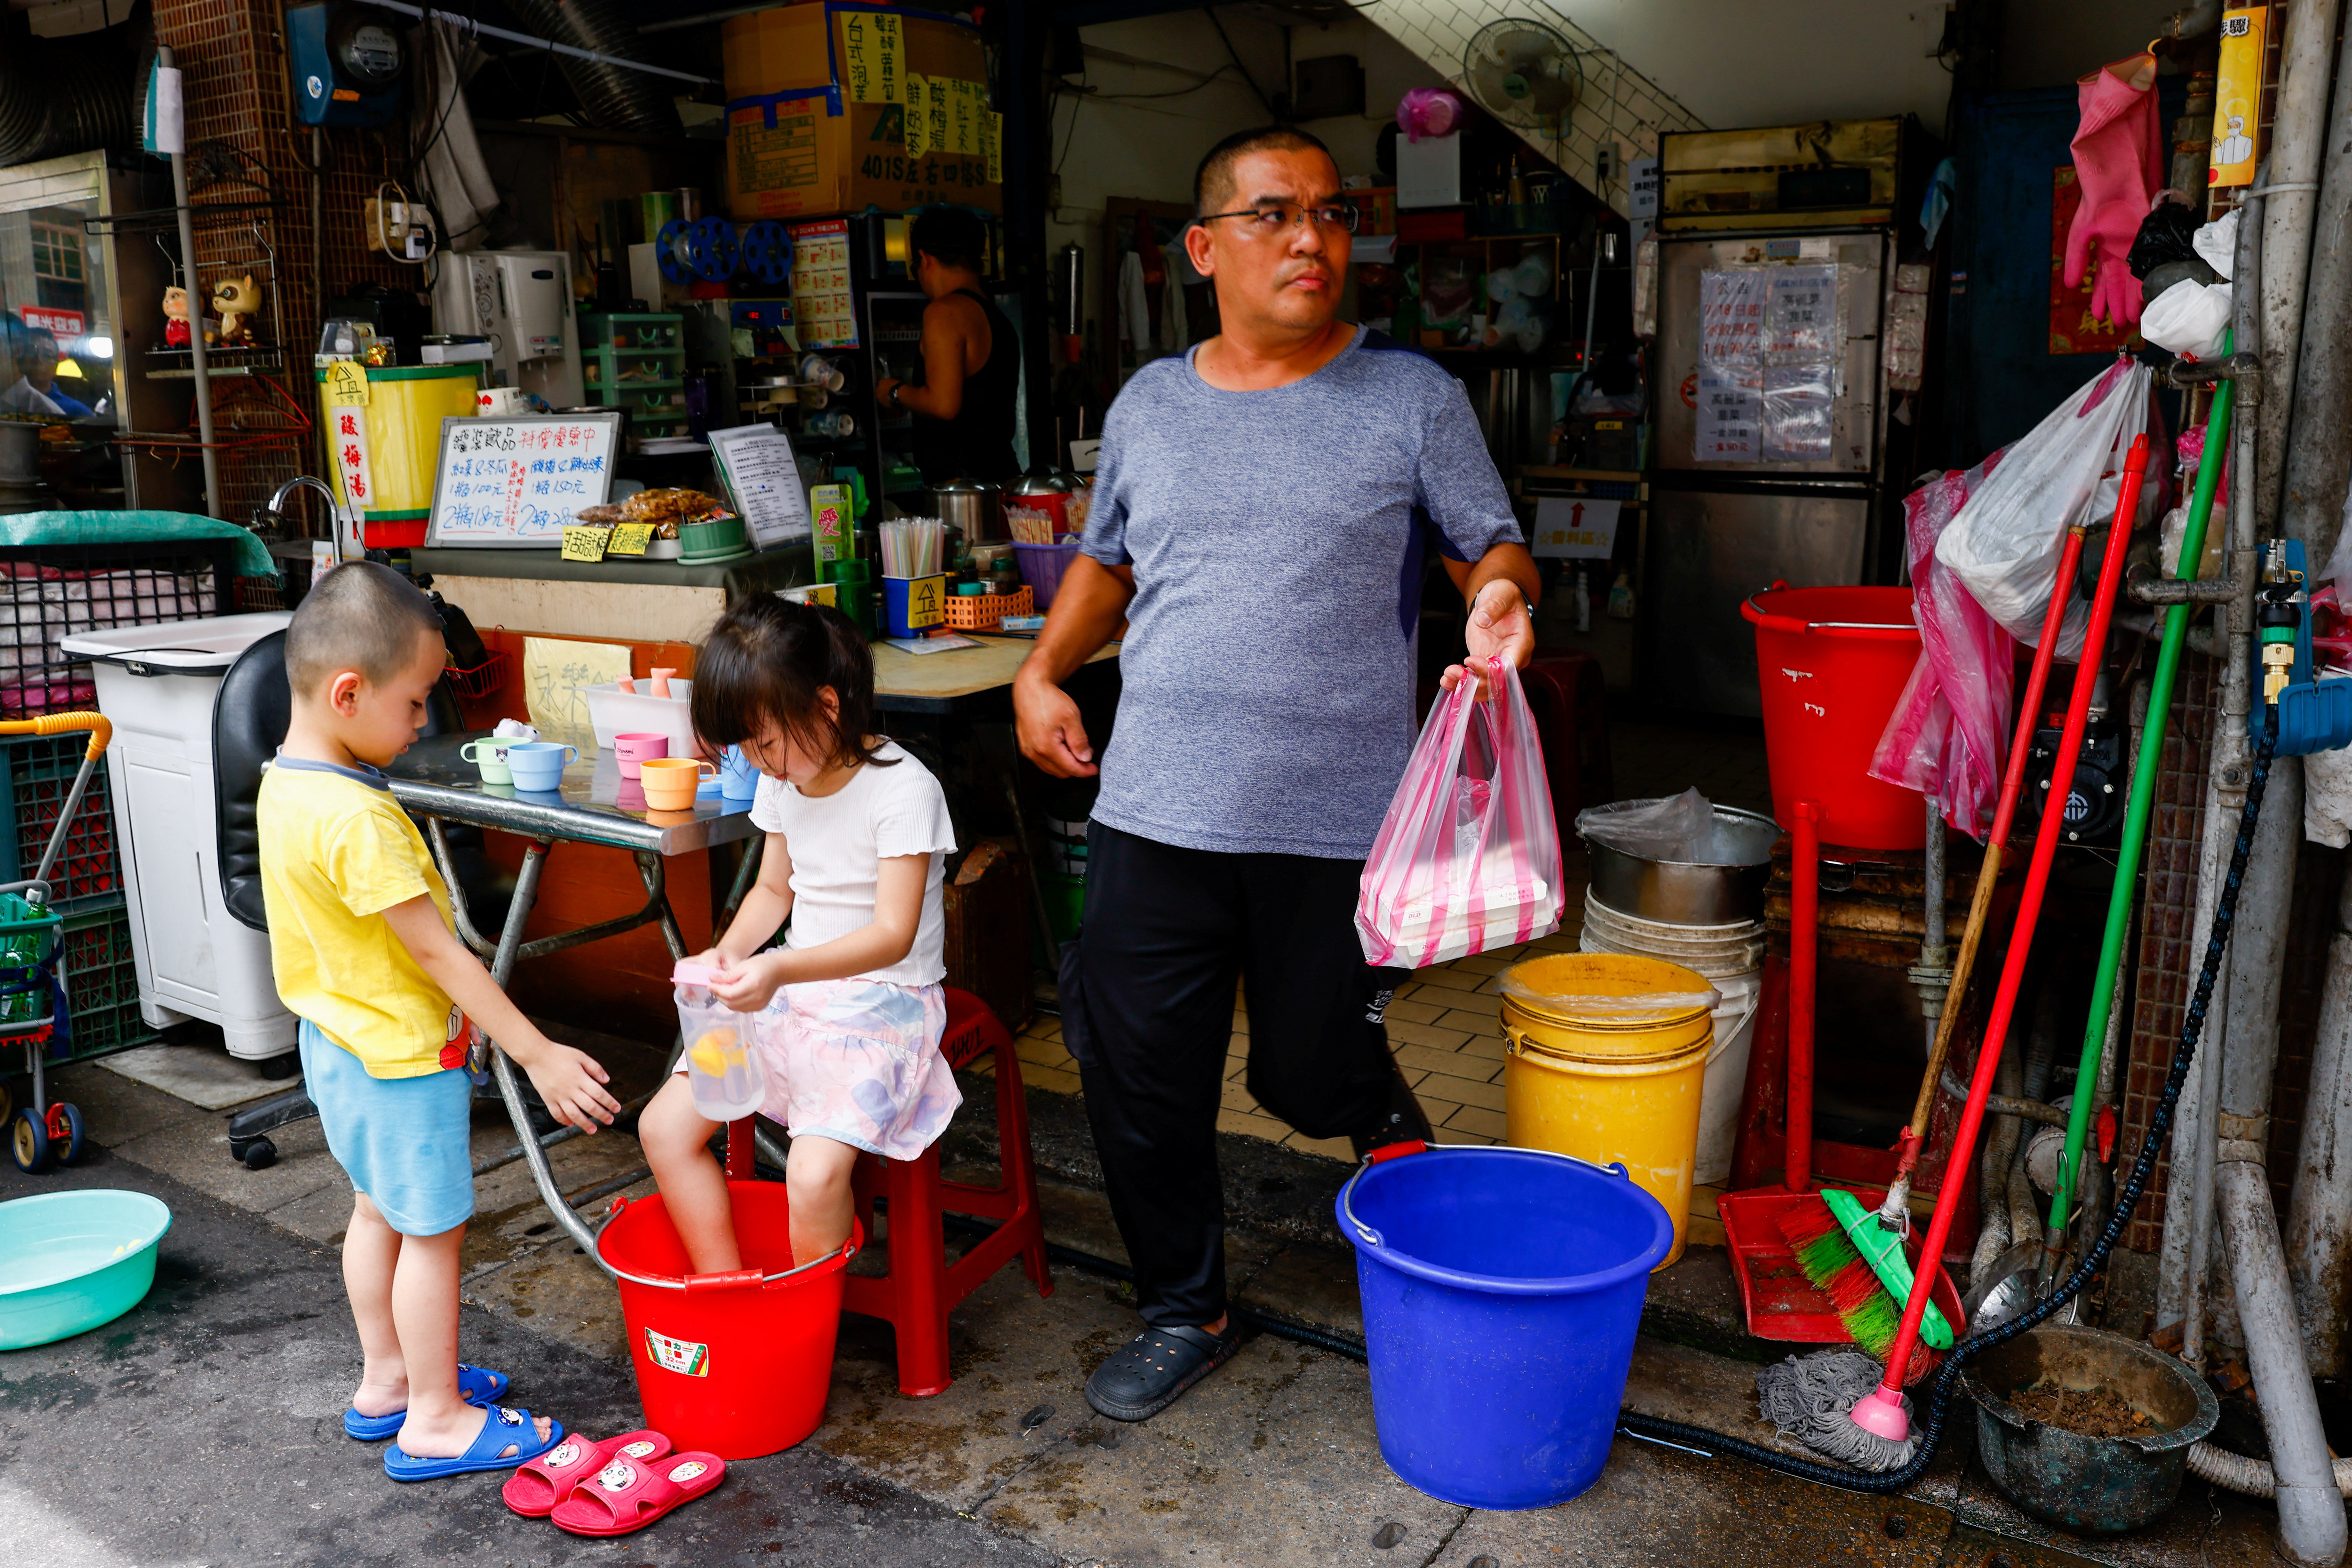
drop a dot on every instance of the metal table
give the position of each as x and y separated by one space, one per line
593 806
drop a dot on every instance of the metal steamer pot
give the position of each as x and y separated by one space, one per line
1677 892
974 508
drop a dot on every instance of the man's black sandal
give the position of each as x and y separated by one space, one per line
1144 1375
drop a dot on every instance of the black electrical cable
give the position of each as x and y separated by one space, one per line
1948 1378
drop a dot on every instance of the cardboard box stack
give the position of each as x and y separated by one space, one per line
839 107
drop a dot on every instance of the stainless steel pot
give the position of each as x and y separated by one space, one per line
1690 893
974 508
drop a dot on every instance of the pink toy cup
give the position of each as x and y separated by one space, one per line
635 749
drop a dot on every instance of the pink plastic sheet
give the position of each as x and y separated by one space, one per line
1951 725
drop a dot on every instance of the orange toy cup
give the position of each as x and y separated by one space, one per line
669 783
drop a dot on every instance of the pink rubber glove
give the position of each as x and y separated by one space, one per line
2119 161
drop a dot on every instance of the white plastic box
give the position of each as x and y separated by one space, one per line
613 711
196 960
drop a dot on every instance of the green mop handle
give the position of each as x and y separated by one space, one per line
2137 813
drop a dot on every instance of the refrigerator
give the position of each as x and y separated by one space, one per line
1770 445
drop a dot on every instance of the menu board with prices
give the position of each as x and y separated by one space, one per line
521 479
824 303
1801 317
1730 316
1730 406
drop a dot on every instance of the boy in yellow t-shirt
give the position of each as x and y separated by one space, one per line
359 933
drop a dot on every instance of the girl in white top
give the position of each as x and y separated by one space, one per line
850 1009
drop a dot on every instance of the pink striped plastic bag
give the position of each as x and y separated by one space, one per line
1469 855
1950 729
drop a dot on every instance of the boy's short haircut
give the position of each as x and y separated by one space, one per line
362 616
948 235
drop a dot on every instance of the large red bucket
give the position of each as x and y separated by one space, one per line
1832 662
736 1364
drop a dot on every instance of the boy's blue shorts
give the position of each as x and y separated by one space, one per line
404 1141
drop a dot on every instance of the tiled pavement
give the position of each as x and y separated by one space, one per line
1445 1025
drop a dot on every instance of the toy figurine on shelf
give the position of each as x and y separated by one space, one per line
238 300
175 317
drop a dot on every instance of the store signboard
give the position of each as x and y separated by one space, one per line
62 323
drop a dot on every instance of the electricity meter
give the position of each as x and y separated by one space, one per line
348 62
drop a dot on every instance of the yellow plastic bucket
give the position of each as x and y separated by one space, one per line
1596 1069
393 442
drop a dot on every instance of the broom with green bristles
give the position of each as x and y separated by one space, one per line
1861 1267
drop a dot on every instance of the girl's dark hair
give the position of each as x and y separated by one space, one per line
766 661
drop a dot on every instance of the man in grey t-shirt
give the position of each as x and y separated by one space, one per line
1264 511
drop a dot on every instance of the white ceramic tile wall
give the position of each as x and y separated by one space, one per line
1619 104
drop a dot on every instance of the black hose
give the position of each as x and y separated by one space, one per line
1948 1379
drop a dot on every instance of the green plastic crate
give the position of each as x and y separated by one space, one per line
101 987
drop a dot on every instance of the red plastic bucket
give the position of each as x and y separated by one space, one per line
737 1365
1831 663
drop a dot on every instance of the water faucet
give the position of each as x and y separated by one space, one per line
270 517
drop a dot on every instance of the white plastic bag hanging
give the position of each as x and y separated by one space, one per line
1469 855
2005 542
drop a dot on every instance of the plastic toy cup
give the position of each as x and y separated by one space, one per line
491 756
539 764
669 783
737 779
637 747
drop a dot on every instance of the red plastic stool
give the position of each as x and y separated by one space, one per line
921 1286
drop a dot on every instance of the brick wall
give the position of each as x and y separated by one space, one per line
2164 976
1618 105
238 92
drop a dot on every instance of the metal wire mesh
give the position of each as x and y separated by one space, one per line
48 593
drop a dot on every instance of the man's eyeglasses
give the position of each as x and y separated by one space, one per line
1281 217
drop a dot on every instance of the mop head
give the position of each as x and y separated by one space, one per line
1828 1257
1809 1398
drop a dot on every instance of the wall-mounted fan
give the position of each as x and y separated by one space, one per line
1524 73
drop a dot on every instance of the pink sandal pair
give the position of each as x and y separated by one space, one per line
613 1488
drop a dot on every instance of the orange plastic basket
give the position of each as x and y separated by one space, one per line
984 611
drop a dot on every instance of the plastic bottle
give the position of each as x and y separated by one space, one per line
1581 597
722 1063
1621 597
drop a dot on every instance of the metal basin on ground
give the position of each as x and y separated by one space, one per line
1722 892
2093 1486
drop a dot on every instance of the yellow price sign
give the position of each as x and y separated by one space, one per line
583 543
630 539
347 383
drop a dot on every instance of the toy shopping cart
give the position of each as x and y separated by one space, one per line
32 966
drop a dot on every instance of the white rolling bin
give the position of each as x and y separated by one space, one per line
157 685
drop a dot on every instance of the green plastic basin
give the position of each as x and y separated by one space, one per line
70 1261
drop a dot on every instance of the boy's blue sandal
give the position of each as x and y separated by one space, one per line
476 1385
505 1428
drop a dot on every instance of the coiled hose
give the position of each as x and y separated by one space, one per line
1948 1378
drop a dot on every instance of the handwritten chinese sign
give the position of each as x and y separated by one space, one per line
350 446
520 481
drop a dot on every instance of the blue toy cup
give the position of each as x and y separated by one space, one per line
489 755
737 779
539 764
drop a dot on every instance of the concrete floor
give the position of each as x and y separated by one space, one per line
203 1427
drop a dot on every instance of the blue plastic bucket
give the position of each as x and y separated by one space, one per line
1501 1291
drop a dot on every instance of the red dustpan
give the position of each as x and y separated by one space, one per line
1779 1302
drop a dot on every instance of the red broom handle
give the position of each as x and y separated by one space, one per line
1913 1141
1804 951
2028 910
